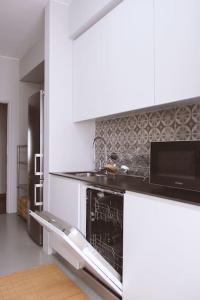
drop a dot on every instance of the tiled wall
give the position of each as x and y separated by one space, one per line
130 136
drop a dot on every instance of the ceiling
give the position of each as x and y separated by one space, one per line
21 25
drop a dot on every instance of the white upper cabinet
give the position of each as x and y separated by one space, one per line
113 62
177 50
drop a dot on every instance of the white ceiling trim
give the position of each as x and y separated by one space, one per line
9 57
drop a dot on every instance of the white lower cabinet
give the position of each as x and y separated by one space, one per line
161 243
65 204
161 249
65 199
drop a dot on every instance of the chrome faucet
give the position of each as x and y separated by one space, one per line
105 151
124 169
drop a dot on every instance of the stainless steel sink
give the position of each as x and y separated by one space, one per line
85 174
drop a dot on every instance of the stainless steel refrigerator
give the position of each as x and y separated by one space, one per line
35 163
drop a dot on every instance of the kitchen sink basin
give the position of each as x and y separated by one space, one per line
86 174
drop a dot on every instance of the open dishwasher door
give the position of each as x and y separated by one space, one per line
82 251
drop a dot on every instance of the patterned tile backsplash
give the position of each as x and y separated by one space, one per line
130 136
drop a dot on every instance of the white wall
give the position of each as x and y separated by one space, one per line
67 146
32 58
9 88
84 14
3 147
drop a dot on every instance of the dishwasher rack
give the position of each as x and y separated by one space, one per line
104 225
108 213
110 253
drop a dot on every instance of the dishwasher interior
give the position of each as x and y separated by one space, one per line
104 225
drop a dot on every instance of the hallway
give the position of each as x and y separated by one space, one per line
19 252
2 203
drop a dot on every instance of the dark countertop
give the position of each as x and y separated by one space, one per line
125 183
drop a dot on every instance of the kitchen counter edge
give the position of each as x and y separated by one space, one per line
125 183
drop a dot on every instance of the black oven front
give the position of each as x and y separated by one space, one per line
176 164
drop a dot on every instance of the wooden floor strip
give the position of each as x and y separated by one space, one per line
41 283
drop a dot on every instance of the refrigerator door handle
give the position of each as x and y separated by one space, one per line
37 186
36 156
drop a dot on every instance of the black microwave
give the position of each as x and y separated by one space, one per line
176 164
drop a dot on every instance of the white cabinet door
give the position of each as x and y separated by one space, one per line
65 199
177 50
87 74
114 64
161 249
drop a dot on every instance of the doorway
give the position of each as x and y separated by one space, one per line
3 156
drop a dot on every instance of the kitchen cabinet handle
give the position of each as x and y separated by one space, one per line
36 156
37 186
